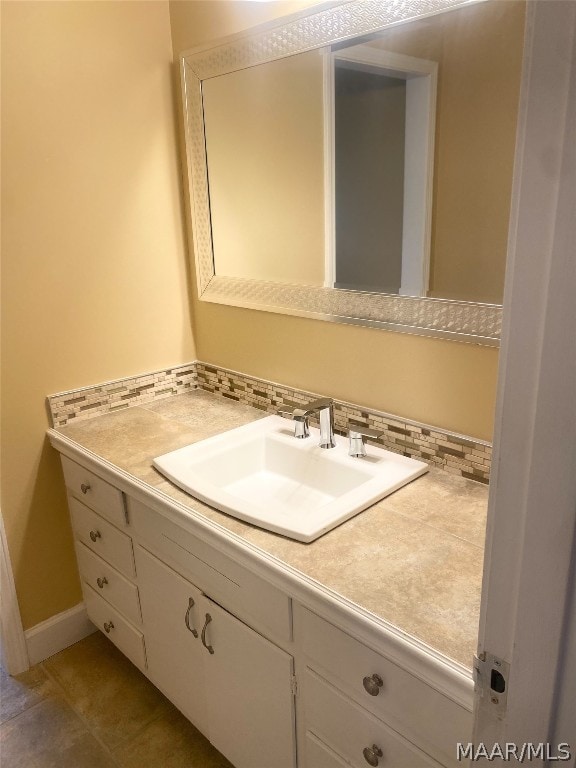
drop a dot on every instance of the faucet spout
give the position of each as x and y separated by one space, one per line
324 407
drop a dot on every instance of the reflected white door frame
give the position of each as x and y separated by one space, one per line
421 78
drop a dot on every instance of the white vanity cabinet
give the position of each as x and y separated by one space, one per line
105 559
369 710
249 693
254 666
232 683
171 610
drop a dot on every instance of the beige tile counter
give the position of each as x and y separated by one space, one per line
413 559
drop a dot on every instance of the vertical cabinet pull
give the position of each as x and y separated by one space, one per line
371 754
187 619
208 647
101 582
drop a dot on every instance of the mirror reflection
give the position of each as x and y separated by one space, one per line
382 165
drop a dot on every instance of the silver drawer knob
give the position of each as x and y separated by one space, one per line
372 754
101 582
373 684
108 626
85 487
95 535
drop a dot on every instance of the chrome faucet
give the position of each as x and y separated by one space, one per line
324 407
357 435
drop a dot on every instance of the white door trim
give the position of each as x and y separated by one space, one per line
14 650
532 505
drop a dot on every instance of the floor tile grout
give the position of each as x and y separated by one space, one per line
78 712
96 714
50 675
23 711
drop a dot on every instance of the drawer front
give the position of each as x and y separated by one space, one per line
125 636
237 589
410 706
318 755
109 583
349 730
98 535
94 492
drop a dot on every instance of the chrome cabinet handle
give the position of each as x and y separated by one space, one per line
187 618
101 582
203 638
371 754
85 487
108 626
373 684
95 535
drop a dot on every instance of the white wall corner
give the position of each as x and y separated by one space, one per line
57 633
13 649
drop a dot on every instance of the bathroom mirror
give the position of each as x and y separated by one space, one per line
271 215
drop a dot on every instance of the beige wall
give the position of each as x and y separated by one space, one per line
444 383
94 271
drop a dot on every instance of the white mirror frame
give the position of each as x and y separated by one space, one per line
459 320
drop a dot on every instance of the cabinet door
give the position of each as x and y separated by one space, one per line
248 691
171 616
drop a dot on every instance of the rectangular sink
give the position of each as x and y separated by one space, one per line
262 474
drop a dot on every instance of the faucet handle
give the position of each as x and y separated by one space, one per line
315 406
358 435
288 408
301 427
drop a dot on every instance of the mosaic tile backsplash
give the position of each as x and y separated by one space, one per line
457 454
112 396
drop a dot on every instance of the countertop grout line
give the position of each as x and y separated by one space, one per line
433 527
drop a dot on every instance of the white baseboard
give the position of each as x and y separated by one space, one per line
58 632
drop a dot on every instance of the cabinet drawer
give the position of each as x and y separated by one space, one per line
94 492
408 704
125 636
348 729
109 583
101 537
241 592
318 755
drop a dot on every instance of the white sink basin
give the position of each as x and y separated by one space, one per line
262 474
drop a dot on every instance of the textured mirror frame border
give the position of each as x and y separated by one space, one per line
470 322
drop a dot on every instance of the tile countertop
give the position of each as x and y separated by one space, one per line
413 559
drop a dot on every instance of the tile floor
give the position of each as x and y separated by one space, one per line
89 707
